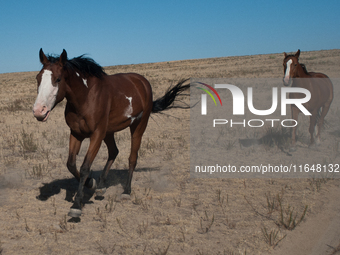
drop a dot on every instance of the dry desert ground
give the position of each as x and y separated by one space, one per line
169 212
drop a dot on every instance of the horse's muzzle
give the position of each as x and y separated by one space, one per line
41 113
287 83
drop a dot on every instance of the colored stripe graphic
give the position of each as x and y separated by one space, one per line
211 88
208 92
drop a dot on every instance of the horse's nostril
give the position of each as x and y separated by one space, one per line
39 110
43 109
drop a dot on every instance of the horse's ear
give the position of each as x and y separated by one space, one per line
63 58
285 54
297 54
43 58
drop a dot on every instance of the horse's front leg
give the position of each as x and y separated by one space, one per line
324 112
95 142
74 147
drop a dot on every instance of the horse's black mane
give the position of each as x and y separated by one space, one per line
304 68
85 65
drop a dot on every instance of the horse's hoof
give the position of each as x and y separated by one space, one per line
100 192
74 213
93 184
125 197
292 149
312 145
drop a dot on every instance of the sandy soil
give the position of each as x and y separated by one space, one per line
169 212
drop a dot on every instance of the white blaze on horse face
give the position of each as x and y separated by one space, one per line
47 94
287 74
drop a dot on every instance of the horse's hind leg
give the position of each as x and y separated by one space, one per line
113 152
295 115
312 126
323 114
137 131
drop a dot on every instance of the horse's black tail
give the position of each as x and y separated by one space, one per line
167 101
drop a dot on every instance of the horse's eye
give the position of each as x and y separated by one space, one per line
58 80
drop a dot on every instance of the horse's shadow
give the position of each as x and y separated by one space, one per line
114 178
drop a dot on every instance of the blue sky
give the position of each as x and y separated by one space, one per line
132 32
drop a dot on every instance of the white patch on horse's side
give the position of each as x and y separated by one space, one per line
47 93
289 63
129 110
85 83
129 98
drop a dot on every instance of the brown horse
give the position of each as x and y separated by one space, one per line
320 87
98 105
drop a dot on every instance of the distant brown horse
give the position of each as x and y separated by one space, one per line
98 105
320 87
